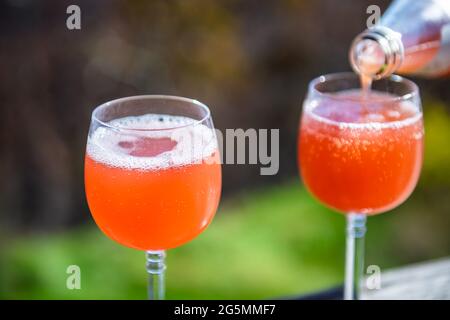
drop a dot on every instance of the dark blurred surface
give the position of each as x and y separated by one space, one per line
250 61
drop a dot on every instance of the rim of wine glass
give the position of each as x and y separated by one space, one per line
150 97
414 92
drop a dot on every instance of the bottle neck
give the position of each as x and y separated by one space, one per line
377 52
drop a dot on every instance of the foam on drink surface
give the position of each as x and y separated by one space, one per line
151 142
356 124
354 109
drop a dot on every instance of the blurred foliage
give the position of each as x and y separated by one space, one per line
273 242
436 169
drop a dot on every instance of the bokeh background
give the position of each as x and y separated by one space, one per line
250 61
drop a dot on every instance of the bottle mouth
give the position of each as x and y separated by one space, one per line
377 52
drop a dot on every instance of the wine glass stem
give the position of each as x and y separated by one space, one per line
354 257
156 268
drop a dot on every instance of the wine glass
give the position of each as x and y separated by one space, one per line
360 152
152 175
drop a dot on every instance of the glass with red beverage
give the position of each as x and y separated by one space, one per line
360 153
152 175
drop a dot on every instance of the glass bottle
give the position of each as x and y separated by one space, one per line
412 37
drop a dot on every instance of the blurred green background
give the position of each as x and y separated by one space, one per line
250 61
